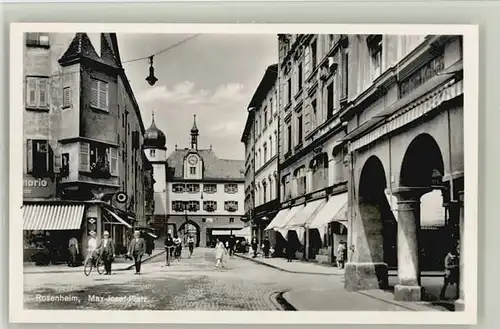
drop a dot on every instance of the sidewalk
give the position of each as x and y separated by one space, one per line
336 298
120 264
296 266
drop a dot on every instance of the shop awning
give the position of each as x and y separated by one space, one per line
224 232
283 229
329 212
278 219
52 216
305 214
118 218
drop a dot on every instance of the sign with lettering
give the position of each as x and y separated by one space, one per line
38 187
422 75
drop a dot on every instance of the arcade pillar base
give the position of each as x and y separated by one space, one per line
408 293
365 276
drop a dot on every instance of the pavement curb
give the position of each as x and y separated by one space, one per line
285 270
117 269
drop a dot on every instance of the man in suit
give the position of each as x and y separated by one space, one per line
136 249
107 251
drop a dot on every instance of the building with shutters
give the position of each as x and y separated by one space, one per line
313 186
261 140
82 142
196 192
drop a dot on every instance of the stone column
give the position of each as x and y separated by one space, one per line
408 288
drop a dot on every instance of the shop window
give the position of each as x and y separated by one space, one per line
231 188
231 206
193 188
37 40
37 93
38 157
178 188
99 95
210 188
210 206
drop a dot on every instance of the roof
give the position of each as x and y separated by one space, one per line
264 86
81 47
213 167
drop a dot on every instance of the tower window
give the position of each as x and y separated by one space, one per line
152 153
192 170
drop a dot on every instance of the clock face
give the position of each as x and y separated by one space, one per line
193 160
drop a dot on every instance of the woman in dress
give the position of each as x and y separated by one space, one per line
220 251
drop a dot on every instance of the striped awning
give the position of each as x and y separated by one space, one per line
52 216
118 218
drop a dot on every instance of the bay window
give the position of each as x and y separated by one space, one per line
98 159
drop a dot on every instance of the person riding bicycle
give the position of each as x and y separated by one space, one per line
169 244
178 247
92 251
190 242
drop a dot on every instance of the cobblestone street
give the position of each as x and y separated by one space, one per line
193 284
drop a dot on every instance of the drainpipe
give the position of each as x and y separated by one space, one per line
350 202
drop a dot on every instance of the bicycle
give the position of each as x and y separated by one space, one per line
92 262
168 254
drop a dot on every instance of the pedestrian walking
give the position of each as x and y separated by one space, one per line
266 246
136 250
341 254
290 251
178 247
73 252
169 246
107 251
190 242
255 245
451 272
231 245
220 252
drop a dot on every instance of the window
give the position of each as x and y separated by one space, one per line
193 188
38 156
270 147
193 205
84 157
192 170
152 153
287 192
98 159
99 95
331 41
37 93
314 114
300 177
231 188
264 191
231 206
210 206
289 131
314 54
271 108
123 120
299 129
178 188
66 97
289 91
231 220
265 117
113 155
374 43
178 206
265 153
345 74
329 101
210 188
299 77
37 40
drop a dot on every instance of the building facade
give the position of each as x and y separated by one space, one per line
248 138
204 195
262 152
313 186
82 136
405 104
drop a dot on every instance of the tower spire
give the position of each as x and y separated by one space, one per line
194 134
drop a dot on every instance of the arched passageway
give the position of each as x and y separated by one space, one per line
189 228
421 172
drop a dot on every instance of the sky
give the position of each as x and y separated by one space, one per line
212 76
